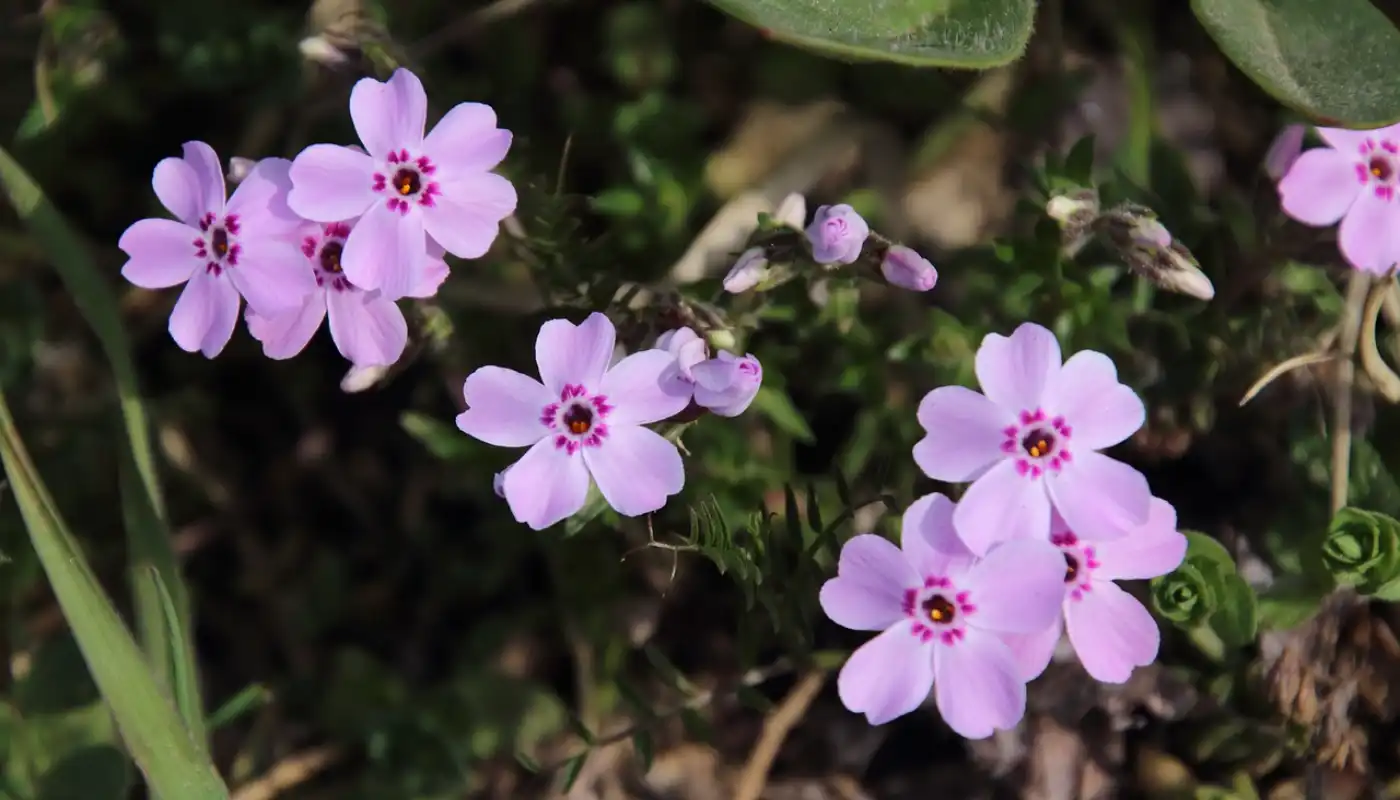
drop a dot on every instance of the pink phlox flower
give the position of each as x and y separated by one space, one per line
1353 180
219 250
837 234
368 328
1034 437
1110 630
689 349
404 183
727 384
585 419
942 617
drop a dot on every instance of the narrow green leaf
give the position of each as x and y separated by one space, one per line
1334 60
814 509
778 407
646 749
754 699
143 505
174 764
442 440
581 731
949 33
634 698
186 683
572 767
668 670
843 490
696 726
253 696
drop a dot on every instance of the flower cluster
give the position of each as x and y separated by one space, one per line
338 233
1353 180
584 419
973 602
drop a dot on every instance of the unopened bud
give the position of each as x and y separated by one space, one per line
1286 148
1074 207
908 270
748 271
319 50
1149 250
239 167
792 211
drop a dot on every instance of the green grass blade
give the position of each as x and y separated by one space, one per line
143 507
174 764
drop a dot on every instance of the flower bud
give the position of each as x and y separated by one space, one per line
727 384
1286 148
908 270
1073 207
1149 250
792 212
239 168
837 234
747 272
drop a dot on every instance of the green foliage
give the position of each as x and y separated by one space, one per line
1334 60
946 33
1207 592
1362 550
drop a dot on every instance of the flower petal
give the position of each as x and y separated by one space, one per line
1367 236
426 283
574 354
1017 588
1319 187
205 315
964 434
161 251
466 140
331 183
287 334
1350 141
636 469
1100 498
1002 505
1111 632
928 538
386 250
466 217
888 676
639 396
1154 549
389 115
872 577
547 485
1101 411
977 686
261 199
178 189
208 173
1033 652
368 329
503 407
271 274
1014 370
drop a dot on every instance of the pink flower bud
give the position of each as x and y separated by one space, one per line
748 271
908 270
837 234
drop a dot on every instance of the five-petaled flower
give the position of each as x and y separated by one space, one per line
404 183
943 617
585 419
725 385
1353 180
1111 631
222 249
1033 438
368 328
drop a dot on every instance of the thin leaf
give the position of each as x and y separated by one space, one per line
572 767
646 749
253 696
143 505
776 405
174 764
814 509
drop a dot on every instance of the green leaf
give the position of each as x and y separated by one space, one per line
1334 60
778 407
950 33
1236 617
696 726
1199 545
143 505
1289 603
1079 164
442 440
572 767
253 696
173 762
642 742
100 772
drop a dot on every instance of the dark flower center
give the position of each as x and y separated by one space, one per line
1038 443
578 419
219 240
407 182
330 256
940 609
1071 568
1381 168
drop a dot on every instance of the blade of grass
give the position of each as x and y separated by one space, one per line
169 651
174 764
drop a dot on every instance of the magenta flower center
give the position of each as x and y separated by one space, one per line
218 246
407 181
1037 442
939 611
578 419
1378 166
1080 563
